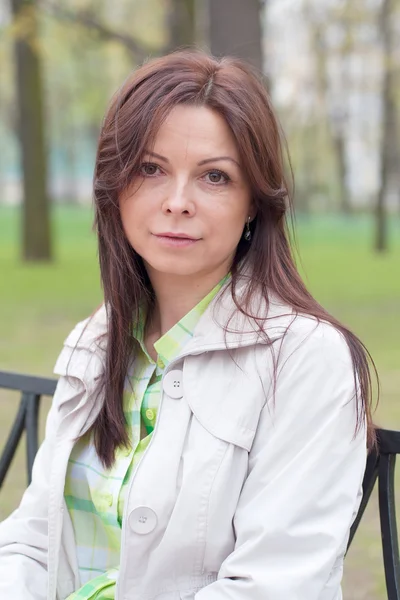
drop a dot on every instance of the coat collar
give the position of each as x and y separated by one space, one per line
224 326
221 326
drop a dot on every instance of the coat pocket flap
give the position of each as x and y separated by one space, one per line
228 397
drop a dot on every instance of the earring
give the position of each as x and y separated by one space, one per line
247 235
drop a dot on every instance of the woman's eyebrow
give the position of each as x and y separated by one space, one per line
210 160
156 156
199 164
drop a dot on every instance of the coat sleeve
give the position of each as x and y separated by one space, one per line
24 534
304 483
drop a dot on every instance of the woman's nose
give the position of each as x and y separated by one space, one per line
178 200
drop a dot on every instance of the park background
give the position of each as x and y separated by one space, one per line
333 71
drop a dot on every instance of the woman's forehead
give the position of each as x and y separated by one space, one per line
193 130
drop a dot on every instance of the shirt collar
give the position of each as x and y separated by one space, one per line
170 345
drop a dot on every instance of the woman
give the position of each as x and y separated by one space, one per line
209 432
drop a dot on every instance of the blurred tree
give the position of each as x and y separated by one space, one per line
346 20
90 47
389 125
78 86
235 29
332 106
89 16
181 23
36 214
7 106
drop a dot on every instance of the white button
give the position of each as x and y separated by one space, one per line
143 520
172 384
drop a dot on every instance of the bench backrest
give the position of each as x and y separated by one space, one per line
380 466
31 389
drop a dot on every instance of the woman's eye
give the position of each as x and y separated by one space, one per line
217 177
148 169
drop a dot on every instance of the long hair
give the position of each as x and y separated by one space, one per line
232 89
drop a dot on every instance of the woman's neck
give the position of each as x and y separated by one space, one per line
176 296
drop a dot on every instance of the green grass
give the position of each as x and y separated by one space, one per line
39 304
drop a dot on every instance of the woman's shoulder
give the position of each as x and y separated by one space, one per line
90 331
86 340
317 340
302 329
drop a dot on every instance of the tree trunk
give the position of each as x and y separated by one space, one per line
337 119
388 142
339 144
36 238
235 30
71 189
181 24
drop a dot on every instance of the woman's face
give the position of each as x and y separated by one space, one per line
185 211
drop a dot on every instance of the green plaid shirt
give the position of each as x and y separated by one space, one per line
95 497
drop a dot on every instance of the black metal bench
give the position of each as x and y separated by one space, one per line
380 466
32 389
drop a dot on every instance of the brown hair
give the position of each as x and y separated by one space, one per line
238 94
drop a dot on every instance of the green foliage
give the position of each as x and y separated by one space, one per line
85 59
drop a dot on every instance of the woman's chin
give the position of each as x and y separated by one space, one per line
173 266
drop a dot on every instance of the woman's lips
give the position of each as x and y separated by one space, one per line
176 242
